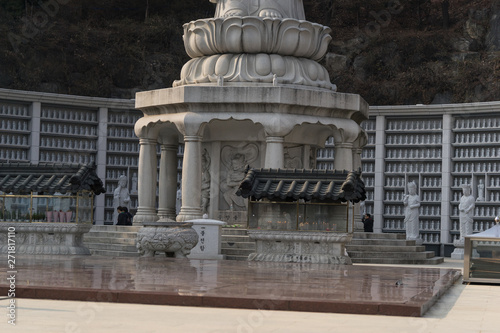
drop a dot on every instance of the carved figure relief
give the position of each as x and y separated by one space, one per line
312 158
205 182
292 162
261 8
235 161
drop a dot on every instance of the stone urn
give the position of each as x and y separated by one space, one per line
174 238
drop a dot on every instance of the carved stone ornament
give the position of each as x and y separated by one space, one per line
257 42
235 160
46 238
258 68
166 237
255 35
302 247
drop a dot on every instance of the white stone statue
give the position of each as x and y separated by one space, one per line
121 196
466 209
480 190
236 160
178 200
134 183
411 201
261 8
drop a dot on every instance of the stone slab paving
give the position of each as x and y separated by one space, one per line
357 289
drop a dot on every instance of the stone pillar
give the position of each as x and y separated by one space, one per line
343 156
146 183
356 165
191 179
215 149
167 185
378 190
36 110
274 152
102 137
446 180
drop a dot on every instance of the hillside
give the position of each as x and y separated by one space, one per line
390 52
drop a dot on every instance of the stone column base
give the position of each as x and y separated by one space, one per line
141 218
189 213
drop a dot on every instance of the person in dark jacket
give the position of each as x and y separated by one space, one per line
368 223
124 217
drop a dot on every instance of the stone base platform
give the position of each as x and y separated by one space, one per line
384 290
47 238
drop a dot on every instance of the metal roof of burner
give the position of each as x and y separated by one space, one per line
49 178
295 184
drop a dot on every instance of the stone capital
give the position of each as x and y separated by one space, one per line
147 141
347 134
167 147
192 138
274 139
347 145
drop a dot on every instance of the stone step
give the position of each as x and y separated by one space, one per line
92 239
111 247
391 255
372 235
393 242
392 261
234 231
115 228
112 234
236 251
238 245
384 248
110 253
235 257
236 238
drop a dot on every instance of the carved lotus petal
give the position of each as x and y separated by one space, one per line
288 37
254 68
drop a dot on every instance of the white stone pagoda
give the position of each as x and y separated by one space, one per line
252 94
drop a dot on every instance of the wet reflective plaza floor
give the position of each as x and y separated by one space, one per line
356 289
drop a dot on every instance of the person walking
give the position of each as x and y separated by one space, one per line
367 222
124 217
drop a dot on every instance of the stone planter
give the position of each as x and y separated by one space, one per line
173 238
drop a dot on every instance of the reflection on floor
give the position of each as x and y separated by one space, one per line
404 291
